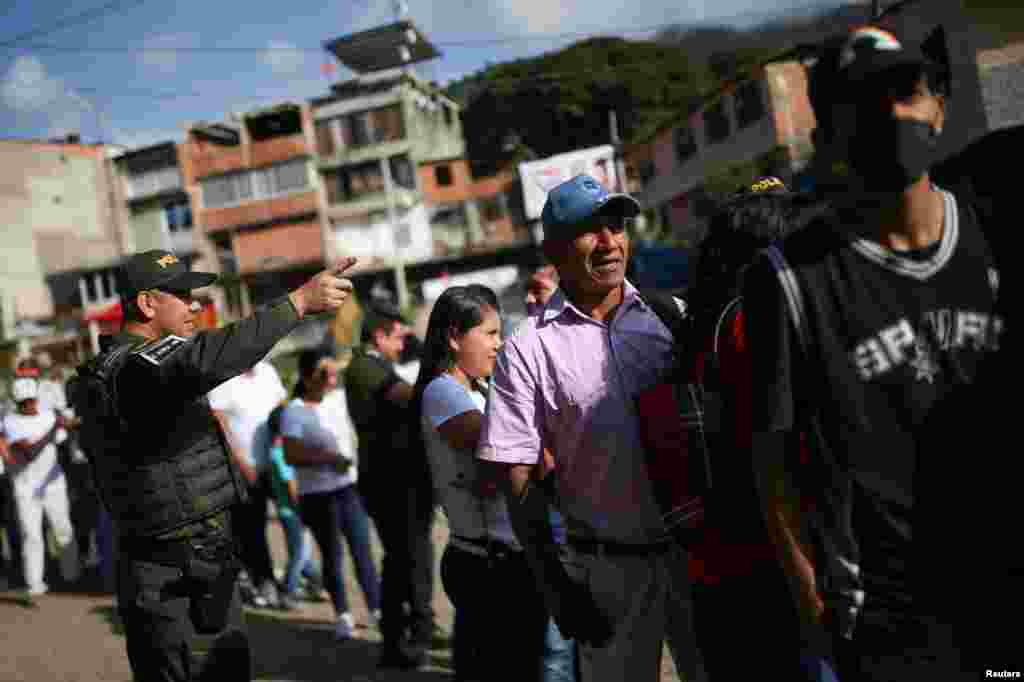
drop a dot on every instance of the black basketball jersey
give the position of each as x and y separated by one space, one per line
885 336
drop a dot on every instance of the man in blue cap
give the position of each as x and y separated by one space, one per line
566 383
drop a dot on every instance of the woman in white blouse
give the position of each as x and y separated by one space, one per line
500 615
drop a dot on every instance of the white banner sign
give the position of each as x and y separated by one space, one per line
539 177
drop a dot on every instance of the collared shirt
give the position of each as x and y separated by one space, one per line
568 382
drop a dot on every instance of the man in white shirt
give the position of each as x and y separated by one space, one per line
38 482
242 405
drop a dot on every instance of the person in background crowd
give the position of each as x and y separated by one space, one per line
484 569
394 479
733 564
320 444
39 486
559 664
862 324
408 366
566 382
242 405
285 491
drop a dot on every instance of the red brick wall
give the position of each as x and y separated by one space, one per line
277 149
286 244
459 190
256 212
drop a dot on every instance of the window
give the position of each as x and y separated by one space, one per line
402 173
686 143
289 177
373 127
715 121
443 175
263 183
450 216
354 182
220 191
153 182
179 216
749 105
324 137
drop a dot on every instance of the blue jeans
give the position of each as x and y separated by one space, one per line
300 558
329 515
559 656
559 664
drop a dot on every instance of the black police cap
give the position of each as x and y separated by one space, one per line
159 269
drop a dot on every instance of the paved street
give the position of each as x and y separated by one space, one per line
74 637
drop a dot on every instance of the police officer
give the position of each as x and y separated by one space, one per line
163 467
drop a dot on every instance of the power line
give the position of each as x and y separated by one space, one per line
557 75
456 43
74 20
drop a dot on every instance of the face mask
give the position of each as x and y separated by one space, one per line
893 154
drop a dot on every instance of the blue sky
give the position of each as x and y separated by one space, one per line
268 51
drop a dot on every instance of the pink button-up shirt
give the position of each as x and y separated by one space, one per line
569 382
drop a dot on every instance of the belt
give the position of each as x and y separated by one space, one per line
484 547
611 548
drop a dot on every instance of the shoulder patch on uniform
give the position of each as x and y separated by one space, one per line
156 352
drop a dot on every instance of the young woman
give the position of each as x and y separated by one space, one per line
319 443
500 615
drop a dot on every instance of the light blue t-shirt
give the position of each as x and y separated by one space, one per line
325 426
469 515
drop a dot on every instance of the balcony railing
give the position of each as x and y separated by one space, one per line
260 211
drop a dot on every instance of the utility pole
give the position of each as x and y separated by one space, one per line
876 9
398 261
620 172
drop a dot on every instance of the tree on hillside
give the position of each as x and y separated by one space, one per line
560 101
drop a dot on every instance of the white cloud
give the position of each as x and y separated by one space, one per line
283 58
162 52
28 89
543 17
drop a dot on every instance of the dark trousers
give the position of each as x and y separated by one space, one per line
502 620
9 526
83 498
404 518
250 524
155 603
747 627
329 516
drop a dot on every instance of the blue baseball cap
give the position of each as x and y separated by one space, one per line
579 199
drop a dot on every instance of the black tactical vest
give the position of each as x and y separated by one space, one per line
158 475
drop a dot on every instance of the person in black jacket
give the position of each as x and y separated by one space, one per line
162 465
